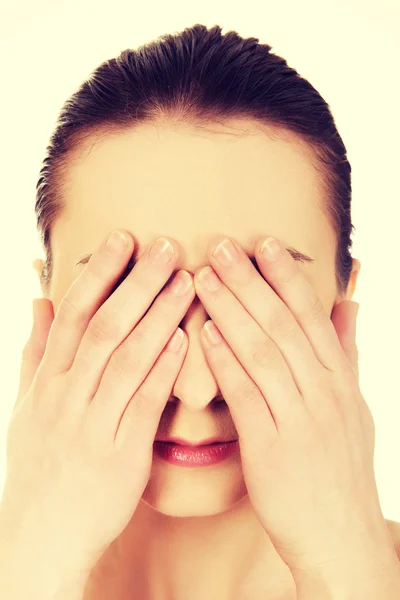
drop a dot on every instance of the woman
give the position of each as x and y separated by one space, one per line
195 137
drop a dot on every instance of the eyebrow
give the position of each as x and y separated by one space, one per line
294 253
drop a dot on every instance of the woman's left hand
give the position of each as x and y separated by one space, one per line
289 375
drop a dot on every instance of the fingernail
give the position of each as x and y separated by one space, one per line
176 341
117 242
162 249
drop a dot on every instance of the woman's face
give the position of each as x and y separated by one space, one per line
191 186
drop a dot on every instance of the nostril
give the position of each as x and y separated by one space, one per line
218 399
182 324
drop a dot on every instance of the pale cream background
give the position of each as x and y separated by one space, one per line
348 49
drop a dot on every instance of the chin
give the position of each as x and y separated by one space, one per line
178 491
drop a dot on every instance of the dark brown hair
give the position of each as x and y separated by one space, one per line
201 77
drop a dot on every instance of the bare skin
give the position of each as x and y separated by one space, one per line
195 529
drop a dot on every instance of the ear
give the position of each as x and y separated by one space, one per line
394 530
344 319
355 270
38 266
396 538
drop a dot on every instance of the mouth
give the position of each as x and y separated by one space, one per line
207 442
183 453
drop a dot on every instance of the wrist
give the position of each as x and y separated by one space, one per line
38 577
23 539
33 566
40 584
347 583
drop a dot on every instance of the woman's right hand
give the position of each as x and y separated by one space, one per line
94 381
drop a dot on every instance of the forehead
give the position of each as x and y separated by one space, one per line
192 185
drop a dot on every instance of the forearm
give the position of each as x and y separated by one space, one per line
369 583
30 567
36 584
37 577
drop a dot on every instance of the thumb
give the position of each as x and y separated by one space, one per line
33 351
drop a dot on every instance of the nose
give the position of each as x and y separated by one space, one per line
195 386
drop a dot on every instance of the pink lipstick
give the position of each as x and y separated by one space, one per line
185 455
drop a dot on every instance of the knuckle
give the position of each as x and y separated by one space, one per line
246 275
142 282
247 392
164 305
104 328
264 353
281 326
151 396
125 360
314 313
223 363
143 403
290 274
69 314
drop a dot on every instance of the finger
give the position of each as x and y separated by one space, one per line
117 317
247 405
131 363
301 300
267 309
138 425
33 351
83 298
255 350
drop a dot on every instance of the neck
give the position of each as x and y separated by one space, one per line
158 557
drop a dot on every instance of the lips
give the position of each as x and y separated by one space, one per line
206 442
204 455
